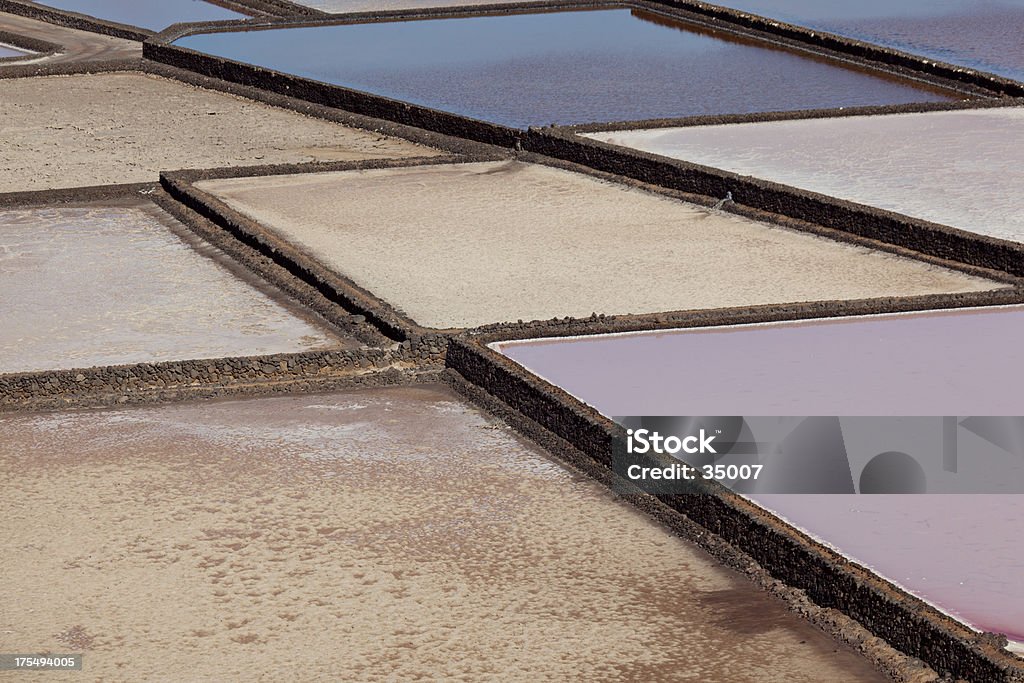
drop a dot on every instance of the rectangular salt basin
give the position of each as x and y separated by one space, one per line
464 245
956 168
99 129
562 67
960 362
112 284
981 34
966 362
155 15
384 534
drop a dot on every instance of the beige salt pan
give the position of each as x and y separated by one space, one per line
378 535
462 245
74 131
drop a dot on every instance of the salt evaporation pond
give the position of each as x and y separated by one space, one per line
980 34
463 245
7 51
107 285
385 534
957 168
155 15
562 67
165 123
967 362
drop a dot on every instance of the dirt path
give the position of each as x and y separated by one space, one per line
79 46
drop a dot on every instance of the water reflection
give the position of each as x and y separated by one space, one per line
981 34
154 15
561 67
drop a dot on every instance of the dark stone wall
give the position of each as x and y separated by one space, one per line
542 403
71 20
415 353
295 264
42 48
211 378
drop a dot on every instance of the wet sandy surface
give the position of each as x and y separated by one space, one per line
154 15
380 535
981 34
471 244
79 46
71 131
955 168
106 285
563 67
966 362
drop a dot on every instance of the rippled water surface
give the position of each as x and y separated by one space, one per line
563 67
958 168
101 285
155 15
981 34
